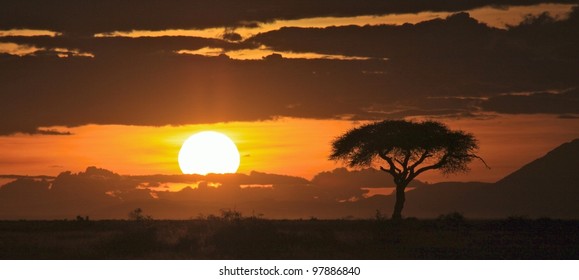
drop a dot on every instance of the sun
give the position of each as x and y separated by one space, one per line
208 152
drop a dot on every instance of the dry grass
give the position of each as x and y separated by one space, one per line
226 237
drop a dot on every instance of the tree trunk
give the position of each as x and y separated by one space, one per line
400 198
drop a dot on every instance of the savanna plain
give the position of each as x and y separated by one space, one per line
230 235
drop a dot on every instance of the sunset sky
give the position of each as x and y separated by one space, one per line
120 85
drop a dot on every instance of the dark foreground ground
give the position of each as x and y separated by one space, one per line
449 237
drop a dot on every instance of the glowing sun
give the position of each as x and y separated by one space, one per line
208 152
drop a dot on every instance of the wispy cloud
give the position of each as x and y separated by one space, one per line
265 53
17 49
28 33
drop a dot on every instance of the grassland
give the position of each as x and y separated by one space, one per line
234 237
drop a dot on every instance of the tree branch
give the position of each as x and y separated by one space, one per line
404 163
389 171
481 159
423 157
406 159
384 153
393 167
439 164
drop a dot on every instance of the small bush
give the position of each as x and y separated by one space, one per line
452 219
230 215
379 216
137 215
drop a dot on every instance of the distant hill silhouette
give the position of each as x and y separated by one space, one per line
546 187
558 169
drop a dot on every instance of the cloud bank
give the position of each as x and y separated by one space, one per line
455 67
91 17
100 193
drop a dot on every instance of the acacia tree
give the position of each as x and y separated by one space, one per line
406 149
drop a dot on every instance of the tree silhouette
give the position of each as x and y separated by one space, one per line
408 149
137 215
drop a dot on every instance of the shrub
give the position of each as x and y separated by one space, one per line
452 219
137 215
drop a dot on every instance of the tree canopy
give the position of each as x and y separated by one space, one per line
403 143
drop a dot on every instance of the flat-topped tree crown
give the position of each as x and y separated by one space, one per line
406 150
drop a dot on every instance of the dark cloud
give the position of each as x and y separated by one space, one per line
160 90
232 36
25 188
13 176
566 102
385 41
50 132
96 191
24 197
441 67
343 184
90 17
456 55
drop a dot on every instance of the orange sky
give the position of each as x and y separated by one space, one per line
87 85
289 146
286 146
